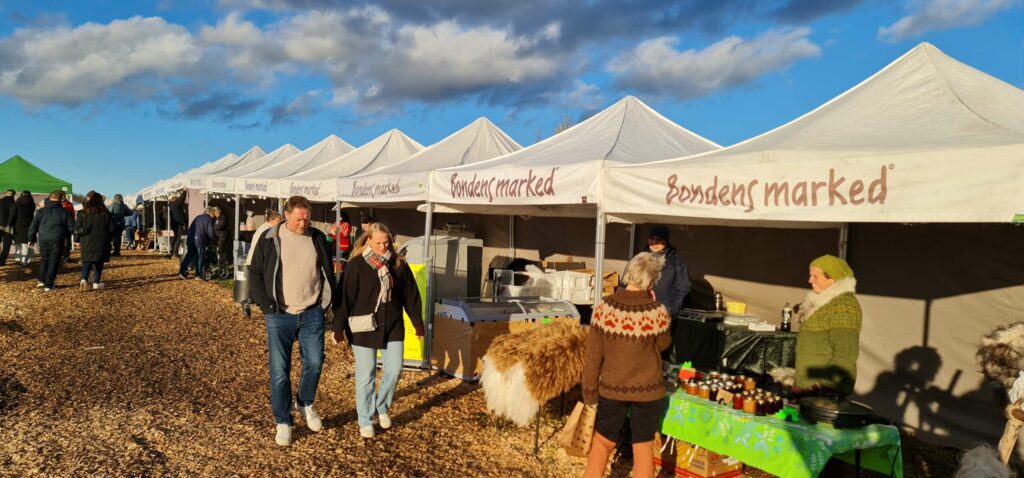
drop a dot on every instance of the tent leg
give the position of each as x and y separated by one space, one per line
844 238
511 238
235 239
632 240
337 234
599 238
428 301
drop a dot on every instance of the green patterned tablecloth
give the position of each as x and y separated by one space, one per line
776 446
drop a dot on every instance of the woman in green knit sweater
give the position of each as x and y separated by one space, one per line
829 337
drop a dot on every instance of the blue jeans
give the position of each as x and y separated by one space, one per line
282 331
193 253
129 235
368 402
87 266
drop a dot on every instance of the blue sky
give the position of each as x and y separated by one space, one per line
114 95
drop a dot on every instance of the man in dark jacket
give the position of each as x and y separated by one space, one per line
178 221
291 280
51 226
674 285
70 208
200 233
118 213
6 231
21 220
223 230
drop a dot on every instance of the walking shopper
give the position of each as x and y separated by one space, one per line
200 234
95 230
70 208
21 220
118 213
378 283
51 226
221 227
131 224
622 373
271 219
6 231
178 222
291 281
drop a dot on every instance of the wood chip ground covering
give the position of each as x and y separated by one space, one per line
155 376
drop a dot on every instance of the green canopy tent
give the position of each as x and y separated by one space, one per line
20 175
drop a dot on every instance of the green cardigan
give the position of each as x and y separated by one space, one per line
828 344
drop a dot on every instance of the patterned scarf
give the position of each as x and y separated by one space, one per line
380 264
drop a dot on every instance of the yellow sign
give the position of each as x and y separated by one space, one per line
413 344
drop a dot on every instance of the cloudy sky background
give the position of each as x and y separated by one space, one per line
114 95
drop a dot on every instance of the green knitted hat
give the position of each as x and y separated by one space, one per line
835 267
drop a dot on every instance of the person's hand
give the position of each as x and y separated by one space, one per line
338 337
31 244
419 332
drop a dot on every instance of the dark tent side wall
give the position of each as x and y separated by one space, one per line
928 294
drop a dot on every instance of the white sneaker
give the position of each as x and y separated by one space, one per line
311 417
83 285
97 286
284 434
40 284
385 421
366 432
47 289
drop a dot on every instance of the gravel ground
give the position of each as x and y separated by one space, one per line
155 376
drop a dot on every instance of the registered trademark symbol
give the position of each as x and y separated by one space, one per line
892 166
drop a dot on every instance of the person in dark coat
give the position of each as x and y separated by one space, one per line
223 230
377 281
674 285
291 281
178 222
70 208
20 221
6 231
118 213
50 227
95 230
200 234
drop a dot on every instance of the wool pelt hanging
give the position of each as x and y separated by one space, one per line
524 370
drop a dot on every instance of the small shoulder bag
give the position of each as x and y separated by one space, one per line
364 323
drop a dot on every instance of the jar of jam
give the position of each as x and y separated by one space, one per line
749 404
737 401
714 376
692 387
705 392
750 383
759 409
713 393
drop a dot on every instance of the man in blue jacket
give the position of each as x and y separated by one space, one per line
50 227
200 233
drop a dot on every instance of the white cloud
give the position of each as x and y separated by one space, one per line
657 68
74 65
926 15
583 96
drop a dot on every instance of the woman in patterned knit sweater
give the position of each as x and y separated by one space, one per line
829 338
628 332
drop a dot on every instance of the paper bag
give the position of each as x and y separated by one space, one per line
578 432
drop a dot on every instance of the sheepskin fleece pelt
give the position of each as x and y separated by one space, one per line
1002 354
981 462
523 370
784 375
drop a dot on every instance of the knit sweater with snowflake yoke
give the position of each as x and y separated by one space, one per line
628 332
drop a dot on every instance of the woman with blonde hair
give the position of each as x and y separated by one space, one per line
376 287
622 374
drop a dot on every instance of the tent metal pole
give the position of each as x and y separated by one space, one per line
599 238
428 301
632 239
511 238
280 206
337 232
844 239
236 241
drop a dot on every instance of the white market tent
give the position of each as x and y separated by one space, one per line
265 181
224 181
926 139
201 177
561 175
320 183
405 182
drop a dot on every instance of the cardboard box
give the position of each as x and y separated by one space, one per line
562 265
458 346
692 461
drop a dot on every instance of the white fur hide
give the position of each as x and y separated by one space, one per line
814 301
982 462
507 393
